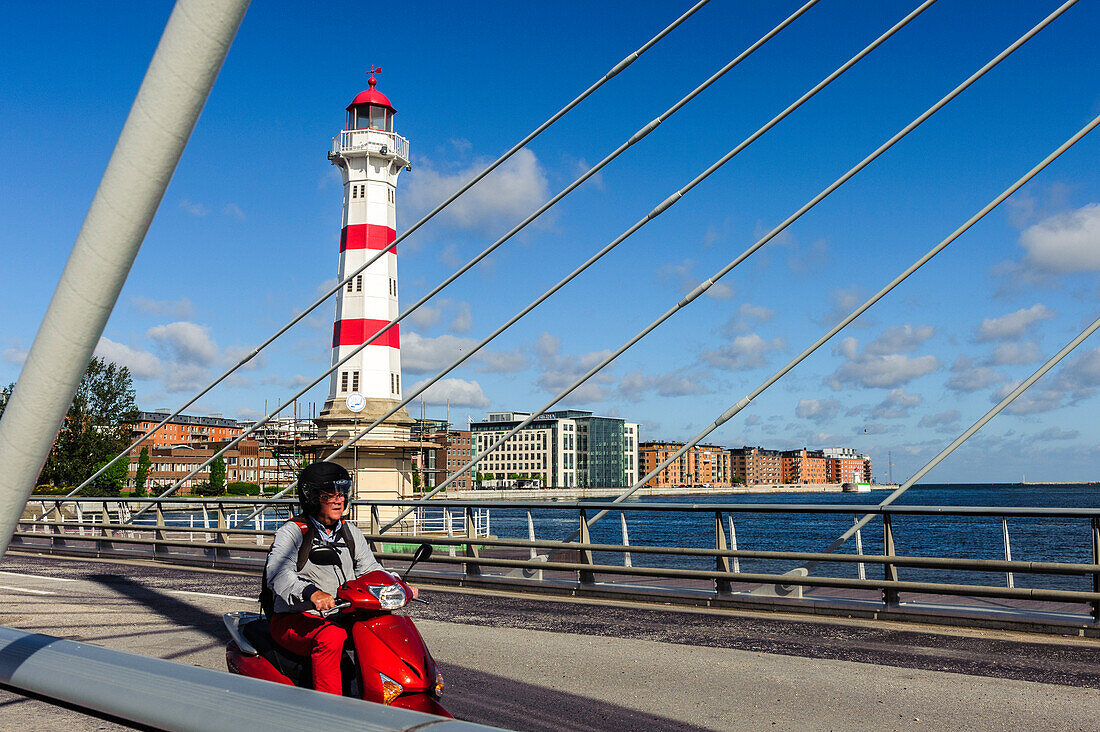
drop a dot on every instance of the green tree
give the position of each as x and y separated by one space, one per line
416 481
111 482
5 395
94 428
217 477
142 473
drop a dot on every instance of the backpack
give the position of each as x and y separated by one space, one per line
309 534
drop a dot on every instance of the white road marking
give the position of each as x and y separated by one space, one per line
209 594
38 576
24 589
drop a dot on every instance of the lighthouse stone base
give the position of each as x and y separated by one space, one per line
380 463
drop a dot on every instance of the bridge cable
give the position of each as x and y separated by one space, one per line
635 138
702 288
392 246
177 83
744 401
706 284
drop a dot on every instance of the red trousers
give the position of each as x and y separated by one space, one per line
323 642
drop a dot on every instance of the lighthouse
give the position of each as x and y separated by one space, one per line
370 157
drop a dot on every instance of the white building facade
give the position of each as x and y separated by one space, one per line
563 449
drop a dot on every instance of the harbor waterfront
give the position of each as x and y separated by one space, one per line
558 494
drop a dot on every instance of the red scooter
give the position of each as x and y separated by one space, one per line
385 660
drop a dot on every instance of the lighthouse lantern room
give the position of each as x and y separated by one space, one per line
370 156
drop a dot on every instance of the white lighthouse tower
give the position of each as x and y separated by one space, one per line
370 156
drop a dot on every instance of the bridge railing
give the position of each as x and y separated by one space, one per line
674 551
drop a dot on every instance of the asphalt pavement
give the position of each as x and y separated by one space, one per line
531 663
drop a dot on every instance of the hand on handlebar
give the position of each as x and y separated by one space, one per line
322 601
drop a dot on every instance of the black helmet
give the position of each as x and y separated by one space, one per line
317 478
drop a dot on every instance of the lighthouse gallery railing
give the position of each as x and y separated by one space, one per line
371 140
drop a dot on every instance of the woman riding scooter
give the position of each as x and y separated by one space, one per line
301 595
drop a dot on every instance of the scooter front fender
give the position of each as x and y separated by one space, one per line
390 644
421 703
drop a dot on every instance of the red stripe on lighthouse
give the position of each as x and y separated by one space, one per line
356 332
367 236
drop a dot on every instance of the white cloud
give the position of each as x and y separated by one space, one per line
746 316
973 379
187 342
501 362
1033 401
142 365
1012 325
425 316
896 405
1007 354
233 210
635 385
421 355
456 392
1057 433
463 319
943 419
508 194
1067 242
900 339
181 308
882 372
743 352
195 209
817 410
14 355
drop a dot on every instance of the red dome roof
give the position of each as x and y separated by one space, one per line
371 96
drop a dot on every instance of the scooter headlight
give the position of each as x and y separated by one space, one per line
437 688
390 689
390 597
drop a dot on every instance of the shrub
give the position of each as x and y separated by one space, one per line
242 488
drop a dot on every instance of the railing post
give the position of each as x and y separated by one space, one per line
733 545
890 571
472 567
57 527
1008 550
1096 560
158 531
375 527
584 556
861 568
626 538
449 525
721 563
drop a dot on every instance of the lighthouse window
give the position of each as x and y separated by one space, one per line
359 283
343 381
378 118
355 381
398 383
393 384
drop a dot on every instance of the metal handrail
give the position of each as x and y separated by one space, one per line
226 546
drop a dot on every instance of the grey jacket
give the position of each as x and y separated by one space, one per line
292 589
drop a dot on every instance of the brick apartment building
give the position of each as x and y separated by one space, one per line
803 466
702 465
183 429
435 465
246 462
756 466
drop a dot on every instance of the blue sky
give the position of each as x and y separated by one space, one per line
247 234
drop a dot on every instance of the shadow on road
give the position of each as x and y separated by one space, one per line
170 608
485 698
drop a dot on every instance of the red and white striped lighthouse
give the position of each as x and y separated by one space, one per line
370 156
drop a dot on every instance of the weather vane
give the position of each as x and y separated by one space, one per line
372 81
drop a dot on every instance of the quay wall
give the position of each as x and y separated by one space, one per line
552 494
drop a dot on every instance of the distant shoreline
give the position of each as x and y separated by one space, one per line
552 494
